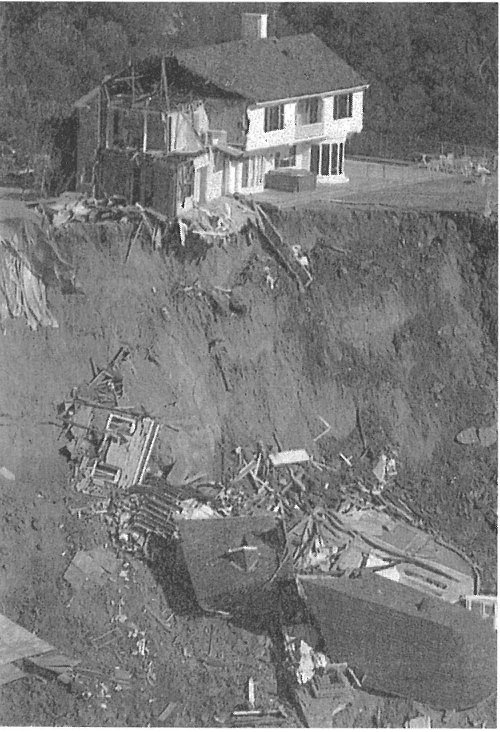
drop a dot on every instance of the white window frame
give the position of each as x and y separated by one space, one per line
336 106
270 121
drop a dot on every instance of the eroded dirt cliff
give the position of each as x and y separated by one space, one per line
397 333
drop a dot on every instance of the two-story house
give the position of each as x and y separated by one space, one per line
224 115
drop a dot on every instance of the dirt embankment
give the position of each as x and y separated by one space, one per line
399 327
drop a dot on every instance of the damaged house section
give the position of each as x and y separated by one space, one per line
108 445
357 595
378 601
212 121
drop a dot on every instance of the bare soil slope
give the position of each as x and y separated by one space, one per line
399 324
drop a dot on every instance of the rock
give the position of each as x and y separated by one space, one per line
484 436
7 474
487 435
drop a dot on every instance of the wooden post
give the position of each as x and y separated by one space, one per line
145 129
164 82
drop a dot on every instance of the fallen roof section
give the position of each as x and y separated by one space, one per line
270 69
18 644
232 562
402 643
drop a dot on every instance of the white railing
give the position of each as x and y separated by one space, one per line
306 132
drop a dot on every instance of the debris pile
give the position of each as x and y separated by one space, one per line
22 289
321 688
108 445
336 521
279 516
217 222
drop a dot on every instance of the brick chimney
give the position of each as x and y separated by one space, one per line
253 26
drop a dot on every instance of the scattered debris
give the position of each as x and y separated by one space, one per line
486 606
288 457
167 712
295 266
215 223
419 722
327 429
256 717
306 659
109 445
251 693
93 567
270 280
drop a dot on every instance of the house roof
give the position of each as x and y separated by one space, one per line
270 69
212 550
404 642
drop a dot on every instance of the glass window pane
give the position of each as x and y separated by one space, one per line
325 159
335 152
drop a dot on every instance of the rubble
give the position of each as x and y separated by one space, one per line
423 722
108 445
277 515
486 606
215 223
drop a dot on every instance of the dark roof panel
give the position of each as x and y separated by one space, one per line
272 68
223 573
404 642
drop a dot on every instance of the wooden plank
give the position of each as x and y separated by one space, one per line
17 642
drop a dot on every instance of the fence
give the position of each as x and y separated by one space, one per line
373 144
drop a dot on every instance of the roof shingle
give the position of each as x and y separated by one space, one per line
270 69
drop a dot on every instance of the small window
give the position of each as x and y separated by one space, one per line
325 159
218 161
335 152
274 118
309 111
342 106
314 162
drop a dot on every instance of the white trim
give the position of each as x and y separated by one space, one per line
285 100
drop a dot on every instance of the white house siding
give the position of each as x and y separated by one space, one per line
230 180
338 129
214 184
289 135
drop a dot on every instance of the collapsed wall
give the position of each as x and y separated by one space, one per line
392 345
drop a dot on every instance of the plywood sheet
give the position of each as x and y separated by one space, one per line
17 642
